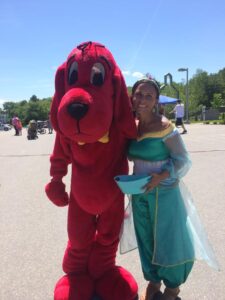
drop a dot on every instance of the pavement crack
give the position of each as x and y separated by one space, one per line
207 151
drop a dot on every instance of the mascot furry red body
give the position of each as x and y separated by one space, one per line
92 117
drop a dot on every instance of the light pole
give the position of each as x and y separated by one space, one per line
187 94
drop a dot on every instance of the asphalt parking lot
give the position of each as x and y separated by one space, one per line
33 230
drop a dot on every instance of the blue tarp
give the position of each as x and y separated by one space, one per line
166 100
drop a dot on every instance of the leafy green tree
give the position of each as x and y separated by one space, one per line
34 98
37 110
198 88
9 107
218 101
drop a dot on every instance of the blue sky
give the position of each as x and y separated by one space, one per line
154 36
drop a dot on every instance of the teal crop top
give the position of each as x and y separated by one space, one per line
150 146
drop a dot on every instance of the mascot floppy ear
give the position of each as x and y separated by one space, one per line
59 92
123 115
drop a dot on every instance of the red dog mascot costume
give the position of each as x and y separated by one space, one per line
92 117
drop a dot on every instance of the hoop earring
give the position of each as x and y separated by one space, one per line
155 109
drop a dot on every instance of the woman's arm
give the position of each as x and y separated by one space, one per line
179 162
178 165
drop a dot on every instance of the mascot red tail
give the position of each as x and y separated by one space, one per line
91 114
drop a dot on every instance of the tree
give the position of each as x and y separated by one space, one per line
9 107
218 101
34 98
198 88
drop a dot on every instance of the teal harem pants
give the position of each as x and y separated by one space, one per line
164 244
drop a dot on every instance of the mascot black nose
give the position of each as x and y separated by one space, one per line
77 110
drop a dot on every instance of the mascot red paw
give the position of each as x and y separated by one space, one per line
69 287
93 120
55 191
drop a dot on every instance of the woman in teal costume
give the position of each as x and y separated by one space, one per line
165 240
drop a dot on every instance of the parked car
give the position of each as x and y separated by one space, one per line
5 127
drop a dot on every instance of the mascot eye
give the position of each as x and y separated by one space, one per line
73 73
97 74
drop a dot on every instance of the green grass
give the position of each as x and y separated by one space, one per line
214 122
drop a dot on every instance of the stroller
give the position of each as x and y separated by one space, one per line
32 130
41 127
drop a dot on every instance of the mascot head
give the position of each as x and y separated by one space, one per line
90 96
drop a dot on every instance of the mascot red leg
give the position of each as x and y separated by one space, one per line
92 117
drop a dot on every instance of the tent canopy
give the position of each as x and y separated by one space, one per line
167 100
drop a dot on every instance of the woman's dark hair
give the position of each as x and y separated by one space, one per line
149 81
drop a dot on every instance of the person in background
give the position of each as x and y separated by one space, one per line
179 114
32 130
16 124
49 123
19 127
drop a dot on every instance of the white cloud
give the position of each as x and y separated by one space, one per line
126 73
138 75
133 74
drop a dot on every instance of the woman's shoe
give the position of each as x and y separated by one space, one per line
151 291
185 131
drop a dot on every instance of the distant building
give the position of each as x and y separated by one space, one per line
3 118
210 113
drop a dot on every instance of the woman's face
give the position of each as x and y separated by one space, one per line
144 99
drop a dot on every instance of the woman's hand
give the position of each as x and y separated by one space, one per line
155 180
